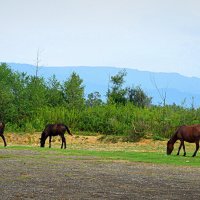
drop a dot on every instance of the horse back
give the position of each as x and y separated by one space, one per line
55 129
189 133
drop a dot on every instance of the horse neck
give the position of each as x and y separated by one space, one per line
173 139
43 135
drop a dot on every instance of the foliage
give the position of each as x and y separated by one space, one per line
138 97
94 99
74 91
28 103
117 94
54 92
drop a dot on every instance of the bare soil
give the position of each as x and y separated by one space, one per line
29 174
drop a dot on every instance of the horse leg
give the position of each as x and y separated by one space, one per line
63 141
180 147
49 141
197 148
184 149
4 140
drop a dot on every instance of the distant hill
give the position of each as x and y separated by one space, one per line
178 88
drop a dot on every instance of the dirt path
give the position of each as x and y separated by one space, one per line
27 174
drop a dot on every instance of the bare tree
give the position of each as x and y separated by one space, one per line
37 62
163 94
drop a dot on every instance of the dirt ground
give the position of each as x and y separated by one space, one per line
28 174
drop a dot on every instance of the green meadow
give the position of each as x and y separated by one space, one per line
116 156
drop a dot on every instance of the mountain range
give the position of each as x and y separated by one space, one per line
176 88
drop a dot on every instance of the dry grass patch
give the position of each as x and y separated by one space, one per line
92 143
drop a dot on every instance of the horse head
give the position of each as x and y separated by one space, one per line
42 140
170 147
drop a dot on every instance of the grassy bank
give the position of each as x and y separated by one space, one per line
129 156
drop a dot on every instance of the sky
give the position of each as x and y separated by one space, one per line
149 35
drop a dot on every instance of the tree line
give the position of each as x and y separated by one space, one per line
28 103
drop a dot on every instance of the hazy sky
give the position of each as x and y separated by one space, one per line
152 35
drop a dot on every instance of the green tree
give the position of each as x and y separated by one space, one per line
117 94
94 99
8 84
21 102
138 97
54 92
74 91
36 93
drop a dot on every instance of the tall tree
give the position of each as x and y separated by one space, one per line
36 93
94 99
74 91
21 101
138 97
117 94
8 82
54 92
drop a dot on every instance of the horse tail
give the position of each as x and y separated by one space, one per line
68 130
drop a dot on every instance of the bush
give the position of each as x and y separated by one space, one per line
128 121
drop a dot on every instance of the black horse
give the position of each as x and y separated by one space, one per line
54 130
2 126
189 134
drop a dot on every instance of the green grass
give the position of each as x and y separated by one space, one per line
146 157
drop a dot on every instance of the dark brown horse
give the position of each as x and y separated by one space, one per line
54 130
2 126
189 134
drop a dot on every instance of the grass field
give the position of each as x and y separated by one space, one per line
149 151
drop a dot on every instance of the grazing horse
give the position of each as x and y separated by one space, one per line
2 126
54 130
189 134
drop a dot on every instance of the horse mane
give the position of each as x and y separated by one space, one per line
42 135
174 137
